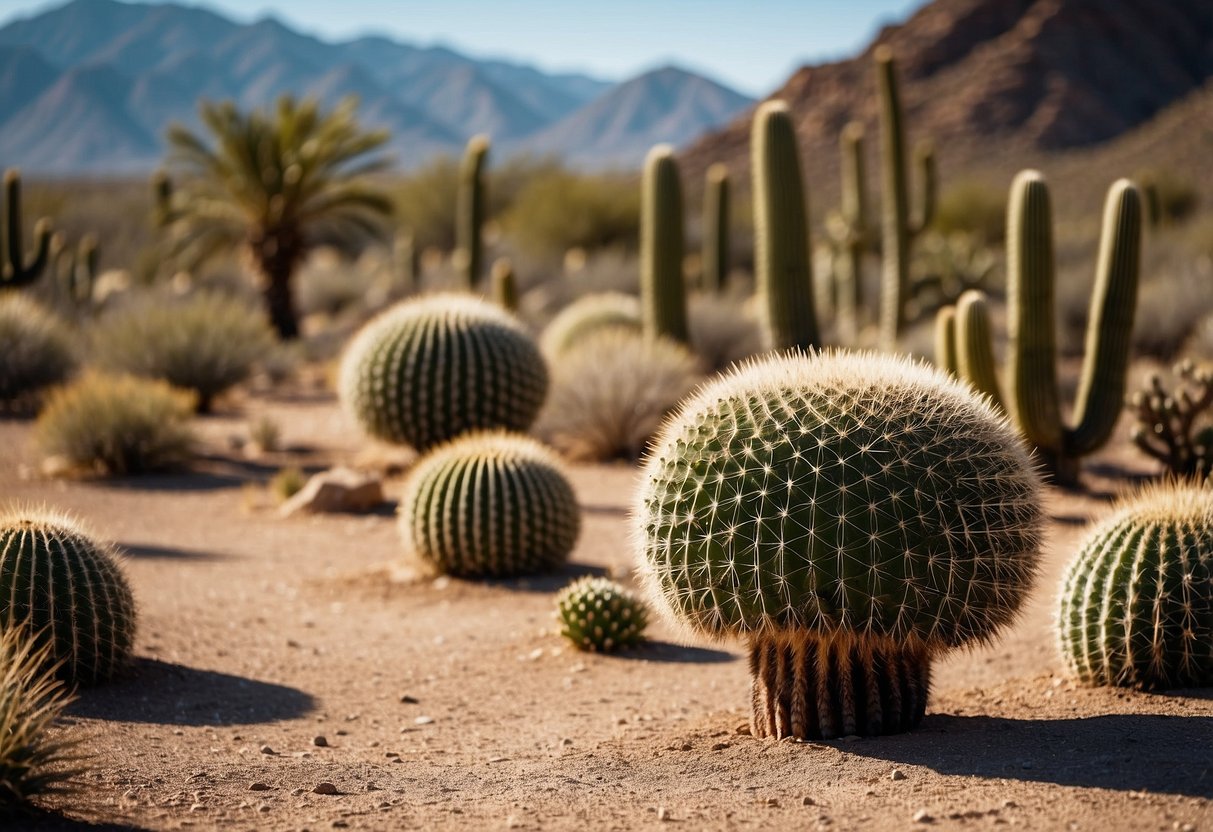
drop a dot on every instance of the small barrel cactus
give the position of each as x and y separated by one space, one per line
586 315
599 615
67 590
1136 604
852 516
432 368
490 504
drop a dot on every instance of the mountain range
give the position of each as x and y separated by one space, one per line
90 86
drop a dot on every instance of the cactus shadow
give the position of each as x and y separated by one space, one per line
44 820
163 693
670 653
149 551
1119 752
548 582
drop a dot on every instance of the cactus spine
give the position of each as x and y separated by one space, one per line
852 516
663 295
1034 397
716 229
471 209
16 269
781 229
599 615
489 504
505 292
898 227
67 591
1136 605
852 234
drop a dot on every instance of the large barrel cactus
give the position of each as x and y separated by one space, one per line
68 591
490 504
851 516
587 315
1136 604
429 369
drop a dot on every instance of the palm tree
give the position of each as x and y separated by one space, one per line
274 184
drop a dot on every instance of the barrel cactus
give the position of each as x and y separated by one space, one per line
489 504
599 615
586 315
1136 605
431 368
851 516
67 590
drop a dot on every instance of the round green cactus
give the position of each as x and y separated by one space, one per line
433 368
68 591
490 504
599 615
850 515
586 315
1136 605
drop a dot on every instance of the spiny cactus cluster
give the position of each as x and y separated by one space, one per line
586 315
471 210
850 515
1136 605
489 504
1175 427
663 295
434 367
599 615
15 268
67 590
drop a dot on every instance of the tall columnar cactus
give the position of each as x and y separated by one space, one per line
852 235
945 340
716 229
471 210
15 268
852 516
434 367
587 315
599 615
1136 605
1033 396
974 345
505 290
68 591
74 270
489 504
662 292
781 231
898 227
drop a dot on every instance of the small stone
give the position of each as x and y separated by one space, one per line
807 801
410 700
720 746
325 788
662 814
686 746
897 774
566 742
773 802
258 787
1010 804
341 824
423 720
296 792
923 816
743 728
336 490
320 742
265 749
264 807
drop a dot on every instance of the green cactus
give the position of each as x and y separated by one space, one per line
663 295
74 270
716 229
898 227
1136 605
16 269
852 236
67 590
599 615
587 315
489 504
431 368
471 210
505 291
781 231
1032 374
945 341
974 346
853 516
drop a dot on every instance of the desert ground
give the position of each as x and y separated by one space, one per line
275 655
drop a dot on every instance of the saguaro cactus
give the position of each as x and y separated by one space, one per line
852 516
15 268
471 209
663 295
974 345
781 231
898 227
716 229
505 292
945 340
851 233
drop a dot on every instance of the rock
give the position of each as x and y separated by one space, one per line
897 774
720 746
325 788
773 802
320 742
296 792
409 700
258 787
265 749
336 490
423 720
808 801
923 816
662 814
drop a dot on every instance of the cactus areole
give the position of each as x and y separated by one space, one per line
850 516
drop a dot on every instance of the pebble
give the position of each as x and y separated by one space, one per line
720 746
265 749
923 816
808 801
743 728
258 787
264 807
773 802
897 774
320 742
686 746
662 814
296 792
325 788
410 700
423 720
341 824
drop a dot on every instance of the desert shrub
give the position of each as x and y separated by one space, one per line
32 698
36 349
1169 198
206 343
946 266
287 483
265 433
562 210
973 207
112 424
610 394
722 331
331 285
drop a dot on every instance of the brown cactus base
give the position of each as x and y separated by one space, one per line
813 688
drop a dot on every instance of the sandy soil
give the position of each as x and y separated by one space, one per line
447 704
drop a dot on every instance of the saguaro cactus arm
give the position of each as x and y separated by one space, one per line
15 268
974 345
945 340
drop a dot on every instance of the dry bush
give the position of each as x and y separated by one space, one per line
560 210
206 342
610 394
972 207
36 350
723 330
117 425
330 285
287 483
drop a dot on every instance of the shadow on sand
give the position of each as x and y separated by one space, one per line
669 653
151 551
547 583
47 821
1122 752
171 694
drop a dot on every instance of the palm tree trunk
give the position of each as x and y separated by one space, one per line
277 255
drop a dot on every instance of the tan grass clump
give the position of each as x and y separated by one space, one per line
35 349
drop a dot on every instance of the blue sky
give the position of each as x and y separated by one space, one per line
750 44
